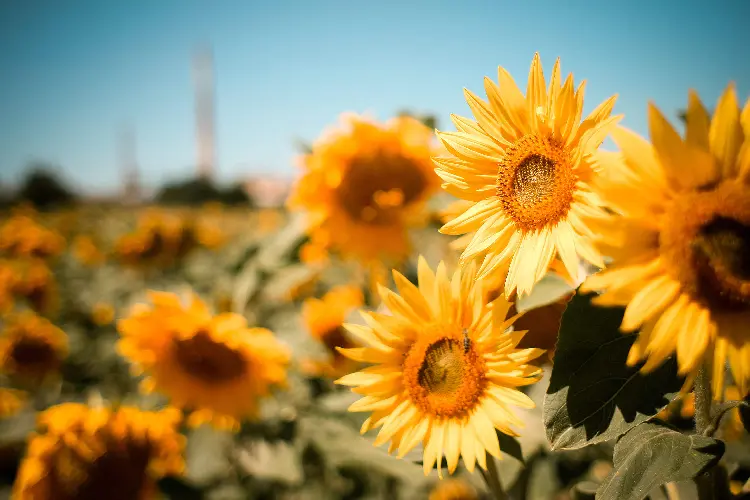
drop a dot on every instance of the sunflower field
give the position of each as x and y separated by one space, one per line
503 311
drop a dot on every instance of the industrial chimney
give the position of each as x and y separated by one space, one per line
203 80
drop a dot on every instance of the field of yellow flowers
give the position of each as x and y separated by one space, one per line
502 311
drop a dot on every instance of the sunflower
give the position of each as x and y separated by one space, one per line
216 367
446 369
364 184
526 166
324 319
95 453
22 236
8 283
11 402
679 237
32 348
453 489
35 283
86 251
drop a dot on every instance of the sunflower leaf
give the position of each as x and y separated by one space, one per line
593 396
651 455
510 446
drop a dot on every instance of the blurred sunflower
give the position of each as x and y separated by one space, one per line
679 237
446 369
216 367
163 238
102 314
11 402
22 236
453 489
86 251
364 184
32 348
36 284
526 166
88 453
8 283
324 319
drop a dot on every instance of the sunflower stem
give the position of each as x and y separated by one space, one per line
492 478
702 400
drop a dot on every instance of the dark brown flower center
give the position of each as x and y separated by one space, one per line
722 260
375 187
442 368
334 338
208 360
535 182
34 356
120 473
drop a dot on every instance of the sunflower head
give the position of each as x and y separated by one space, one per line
22 236
31 348
93 453
35 283
445 369
679 237
86 251
364 184
213 366
324 319
523 170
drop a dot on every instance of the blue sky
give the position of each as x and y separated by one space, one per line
72 72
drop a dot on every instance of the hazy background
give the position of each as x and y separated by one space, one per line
72 72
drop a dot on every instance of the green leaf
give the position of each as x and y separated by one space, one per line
744 410
651 455
593 396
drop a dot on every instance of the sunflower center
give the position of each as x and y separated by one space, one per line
32 355
706 242
209 360
336 338
535 182
375 187
444 376
120 473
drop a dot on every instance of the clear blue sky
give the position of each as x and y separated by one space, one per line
72 71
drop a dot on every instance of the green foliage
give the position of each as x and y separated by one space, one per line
44 189
429 121
593 396
195 192
651 455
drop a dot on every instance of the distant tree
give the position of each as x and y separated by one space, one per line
236 195
44 189
429 121
201 190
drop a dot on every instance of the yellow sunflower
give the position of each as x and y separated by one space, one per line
364 184
324 319
445 371
35 283
22 236
11 402
526 166
86 251
216 367
88 453
679 237
31 348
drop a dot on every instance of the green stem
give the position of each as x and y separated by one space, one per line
492 478
702 400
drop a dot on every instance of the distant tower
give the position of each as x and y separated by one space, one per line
128 164
203 80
